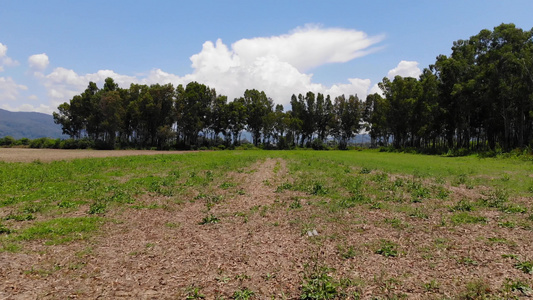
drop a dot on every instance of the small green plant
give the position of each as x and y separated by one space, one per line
295 204
431 286
476 289
318 189
387 249
467 261
517 286
462 205
347 253
194 292
97 207
507 224
4 229
243 294
525 266
226 185
283 187
418 213
319 285
365 170
209 219
20 218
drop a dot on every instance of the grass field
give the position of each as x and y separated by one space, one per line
267 224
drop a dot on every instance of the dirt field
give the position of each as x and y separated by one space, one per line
261 244
46 155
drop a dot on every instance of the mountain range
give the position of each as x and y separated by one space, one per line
31 125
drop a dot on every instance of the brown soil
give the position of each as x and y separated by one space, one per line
46 155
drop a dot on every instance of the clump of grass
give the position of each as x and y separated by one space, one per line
387 249
525 266
476 289
209 219
463 205
318 189
61 230
418 213
319 285
20 218
466 218
4 229
194 292
243 294
284 186
97 207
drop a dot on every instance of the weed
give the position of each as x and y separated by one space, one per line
476 289
4 229
283 186
507 224
97 207
210 219
525 266
418 213
462 205
431 286
295 204
172 225
319 285
194 292
496 198
243 294
353 200
513 209
365 170
226 185
376 205
20 218
347 253
517 286
467 261
318 189
387 249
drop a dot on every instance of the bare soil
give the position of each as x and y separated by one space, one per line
46 155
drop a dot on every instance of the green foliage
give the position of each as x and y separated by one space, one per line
318 285
387 249
243 294
476 289
209 219
466 218
525 266
61 230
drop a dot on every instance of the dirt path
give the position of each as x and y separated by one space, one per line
46 155
162 253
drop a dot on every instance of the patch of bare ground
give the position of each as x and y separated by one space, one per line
47 155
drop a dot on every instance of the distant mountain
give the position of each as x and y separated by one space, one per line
30 125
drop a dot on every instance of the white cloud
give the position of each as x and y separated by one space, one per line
38 62
405 69
308 47
9 89
42 108
276 65
6 61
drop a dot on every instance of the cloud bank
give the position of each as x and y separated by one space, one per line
278 65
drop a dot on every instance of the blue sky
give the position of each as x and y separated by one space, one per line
50 50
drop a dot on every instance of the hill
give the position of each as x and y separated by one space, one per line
30 125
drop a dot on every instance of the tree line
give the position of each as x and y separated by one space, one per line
478 98
195 115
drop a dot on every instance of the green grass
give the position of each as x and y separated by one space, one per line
61 230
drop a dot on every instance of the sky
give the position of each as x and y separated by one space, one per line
51 50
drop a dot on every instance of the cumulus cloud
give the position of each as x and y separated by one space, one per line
38 62
276 65
6 61
9 89
405 69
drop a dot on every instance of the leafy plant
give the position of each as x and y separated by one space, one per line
319 285
209 219
525 266
243 294
387 249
